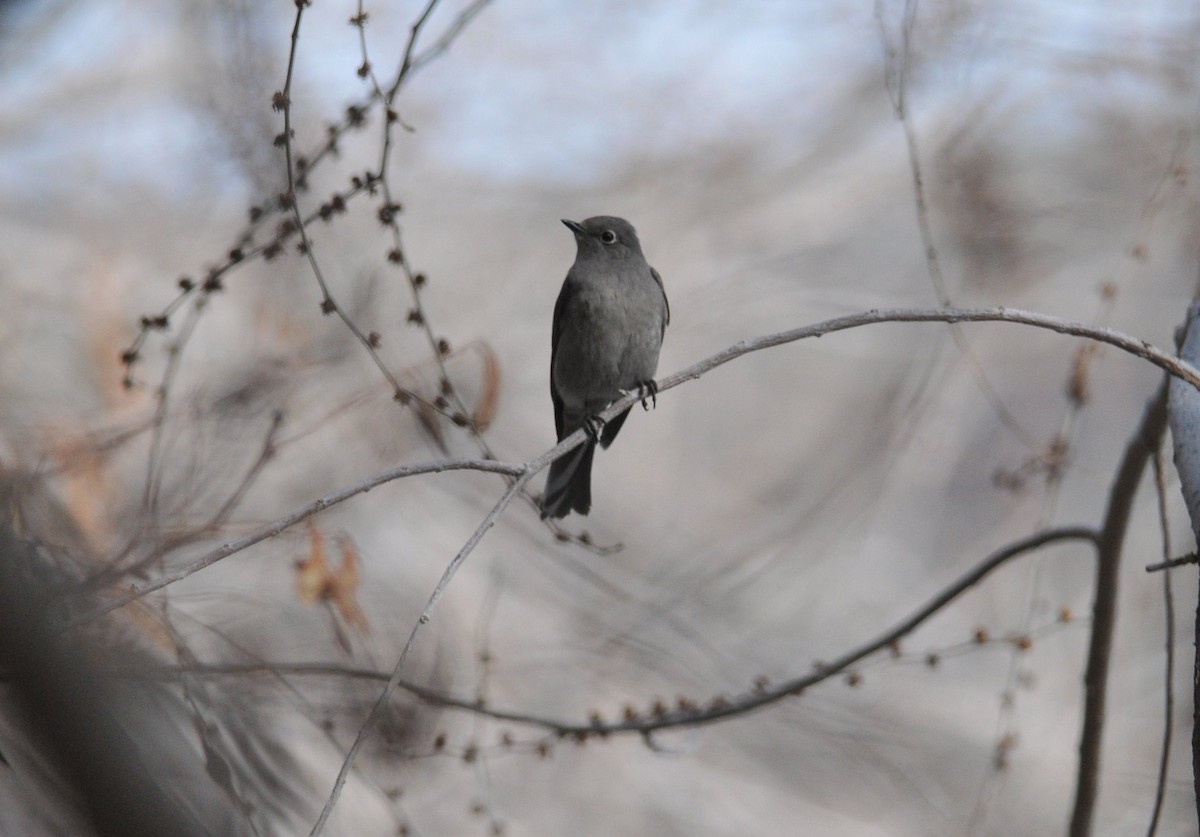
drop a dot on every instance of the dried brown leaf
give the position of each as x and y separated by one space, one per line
316 581
489 398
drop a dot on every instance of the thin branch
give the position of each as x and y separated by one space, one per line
1140 449
266 454
394 681
241 255
1181 561
765 696
1054 463
168 544
281 524
406 62
243 250
1132 345
899 96
153 485
452 32
648 725
432 696
390 208
329 305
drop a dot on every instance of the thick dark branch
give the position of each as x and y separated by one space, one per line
1164 757
1104 609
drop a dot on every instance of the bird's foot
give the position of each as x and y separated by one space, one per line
647 390
593 426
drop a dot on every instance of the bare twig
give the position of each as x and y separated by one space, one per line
390 208
281 524
162 395
1181 561
443 43
406 62
896 81
165 545
329 304
243 250
1132 345
426 613
1053 463
1104 609
649 724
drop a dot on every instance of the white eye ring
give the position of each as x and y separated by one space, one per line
608 237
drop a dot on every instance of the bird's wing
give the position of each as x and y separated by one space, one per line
666 304
564 298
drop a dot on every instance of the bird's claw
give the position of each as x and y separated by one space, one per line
593 426
648 390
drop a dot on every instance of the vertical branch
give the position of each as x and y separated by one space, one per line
1164 760
162 396
1104 609
282 101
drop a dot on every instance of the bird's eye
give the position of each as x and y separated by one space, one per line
608 237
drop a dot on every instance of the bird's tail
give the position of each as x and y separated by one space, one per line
569 486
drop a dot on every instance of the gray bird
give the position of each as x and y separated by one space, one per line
608 327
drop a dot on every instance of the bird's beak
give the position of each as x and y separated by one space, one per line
575 227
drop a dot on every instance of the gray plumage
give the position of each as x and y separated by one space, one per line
608 327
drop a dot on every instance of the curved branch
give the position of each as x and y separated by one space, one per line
694 717
137 591
764 696
1132 345
650 725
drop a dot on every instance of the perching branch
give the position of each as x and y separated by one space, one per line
1134 346
1139 348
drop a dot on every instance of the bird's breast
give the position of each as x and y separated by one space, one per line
609 342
